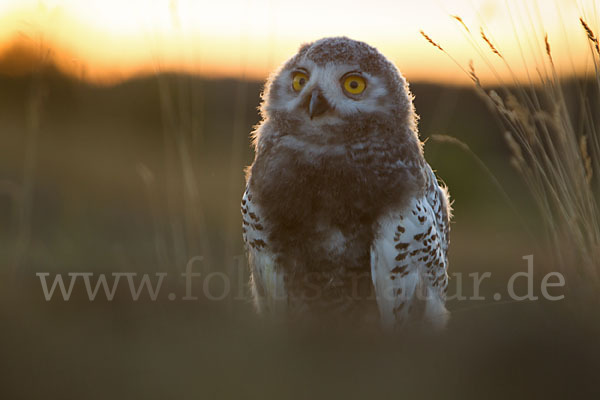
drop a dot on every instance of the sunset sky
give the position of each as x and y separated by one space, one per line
110 40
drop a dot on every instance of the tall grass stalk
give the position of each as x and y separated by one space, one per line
24 195
185 218
179 223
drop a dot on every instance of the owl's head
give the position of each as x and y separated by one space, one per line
337 80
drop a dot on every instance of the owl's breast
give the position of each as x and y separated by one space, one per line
319 209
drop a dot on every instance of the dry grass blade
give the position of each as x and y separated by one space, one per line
590 34
548 50
473 75
459 19
490 44
518 160
587 160
430 40
437 46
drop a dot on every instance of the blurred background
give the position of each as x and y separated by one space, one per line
124 132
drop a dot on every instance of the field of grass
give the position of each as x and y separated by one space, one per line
142 176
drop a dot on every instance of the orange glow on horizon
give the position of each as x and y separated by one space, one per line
110 40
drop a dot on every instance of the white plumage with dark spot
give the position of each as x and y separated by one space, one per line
342 215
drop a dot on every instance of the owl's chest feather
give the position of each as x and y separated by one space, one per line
323 209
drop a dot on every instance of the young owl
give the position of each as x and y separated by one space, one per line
341 213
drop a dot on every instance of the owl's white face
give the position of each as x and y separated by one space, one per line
333 92
325 94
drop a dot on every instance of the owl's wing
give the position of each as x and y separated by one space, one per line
409 258
267 281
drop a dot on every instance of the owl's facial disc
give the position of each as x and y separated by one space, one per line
328 94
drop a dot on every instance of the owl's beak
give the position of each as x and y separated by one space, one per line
318 104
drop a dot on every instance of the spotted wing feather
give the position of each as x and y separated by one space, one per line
267 280
409 258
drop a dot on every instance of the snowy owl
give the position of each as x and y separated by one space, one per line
342 215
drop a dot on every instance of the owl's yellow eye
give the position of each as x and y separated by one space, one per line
354 84
299 79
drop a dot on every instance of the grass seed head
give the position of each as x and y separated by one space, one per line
430 40
590 34
489 42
